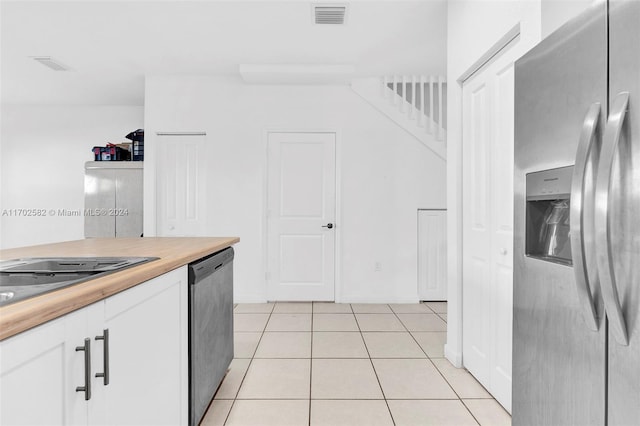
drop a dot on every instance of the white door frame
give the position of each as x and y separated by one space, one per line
338 220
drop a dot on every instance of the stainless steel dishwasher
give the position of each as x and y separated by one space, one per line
210 328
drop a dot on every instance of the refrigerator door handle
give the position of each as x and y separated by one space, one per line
603 203
578 191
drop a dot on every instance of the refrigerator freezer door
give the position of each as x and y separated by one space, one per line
624 76
558 360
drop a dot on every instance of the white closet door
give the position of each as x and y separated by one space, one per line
488 114
432 255
181 186
476 240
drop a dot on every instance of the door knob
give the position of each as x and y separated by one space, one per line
328 225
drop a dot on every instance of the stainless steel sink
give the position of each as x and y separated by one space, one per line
6 295
24 278
70 264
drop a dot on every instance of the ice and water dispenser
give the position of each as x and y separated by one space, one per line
547 215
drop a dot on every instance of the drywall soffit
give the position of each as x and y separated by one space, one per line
296 74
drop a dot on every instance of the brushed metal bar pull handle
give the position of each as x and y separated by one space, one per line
87 369
577 234
602 207
105 357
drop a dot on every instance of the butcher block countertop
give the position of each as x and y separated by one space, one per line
172 253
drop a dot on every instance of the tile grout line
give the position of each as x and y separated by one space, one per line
431 361
311 365
472 415
359 330
249 366
436 367
386 402
410 334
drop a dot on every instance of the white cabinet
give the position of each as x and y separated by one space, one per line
40 370
148 365
113 199
146 361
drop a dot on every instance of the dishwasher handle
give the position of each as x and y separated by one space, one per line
206 266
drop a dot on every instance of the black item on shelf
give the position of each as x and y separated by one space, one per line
138 151
137 137
110 153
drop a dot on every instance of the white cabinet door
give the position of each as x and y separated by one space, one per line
113 195
99 193
40 370
128 213
148 369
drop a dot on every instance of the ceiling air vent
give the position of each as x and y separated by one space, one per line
49 62
329 14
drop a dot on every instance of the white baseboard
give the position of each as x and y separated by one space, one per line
358 299
249 298
258 298
454 357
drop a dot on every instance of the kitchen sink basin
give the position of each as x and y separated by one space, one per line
10 279
70 264
28 277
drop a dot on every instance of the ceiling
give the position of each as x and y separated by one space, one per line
112 45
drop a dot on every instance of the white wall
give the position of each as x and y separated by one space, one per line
385 175
557 12
473 28
44 149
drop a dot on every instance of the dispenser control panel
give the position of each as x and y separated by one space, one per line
547 217
549 184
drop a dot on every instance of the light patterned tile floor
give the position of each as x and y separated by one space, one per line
313 364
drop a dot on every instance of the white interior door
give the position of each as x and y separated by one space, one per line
432 255
181 180
301 216
488 114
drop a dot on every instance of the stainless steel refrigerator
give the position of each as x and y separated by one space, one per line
576 330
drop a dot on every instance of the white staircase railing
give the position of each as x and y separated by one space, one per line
415 103
422 98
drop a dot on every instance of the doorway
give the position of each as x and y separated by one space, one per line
301 212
